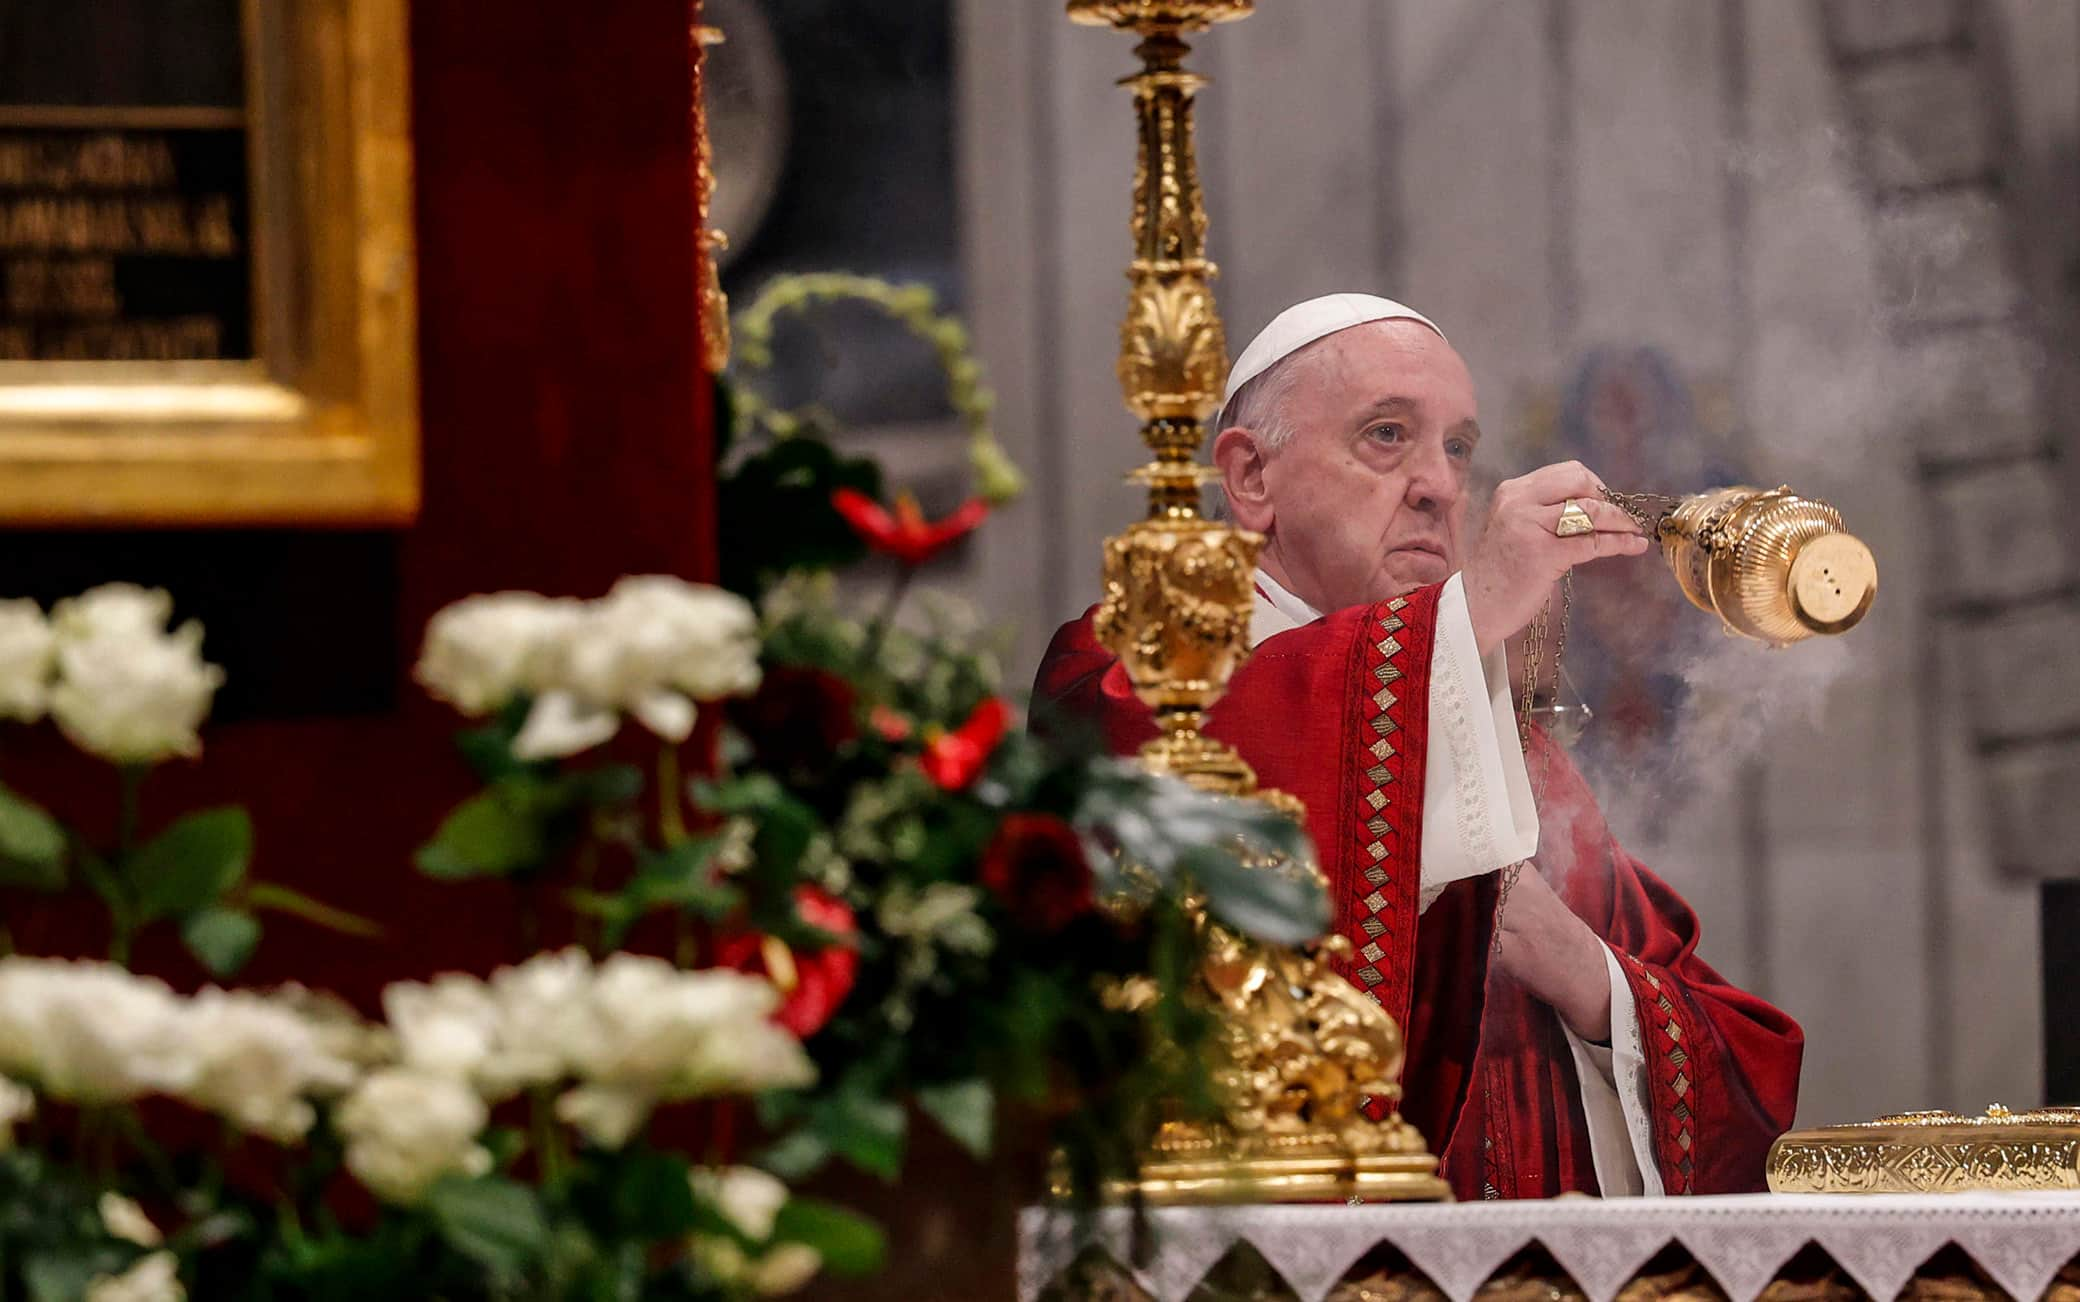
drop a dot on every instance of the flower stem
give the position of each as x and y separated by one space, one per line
548 1137
129 790
877 632
671 819
589 931
122 926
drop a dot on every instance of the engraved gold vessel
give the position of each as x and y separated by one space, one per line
1933 1152
1772 565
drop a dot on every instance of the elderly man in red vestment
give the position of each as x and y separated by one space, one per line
1596 1052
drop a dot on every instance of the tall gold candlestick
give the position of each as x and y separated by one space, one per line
1303 1047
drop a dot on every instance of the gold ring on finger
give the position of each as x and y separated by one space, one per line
1574 521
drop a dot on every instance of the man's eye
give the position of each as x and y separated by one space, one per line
1386 433
1460 449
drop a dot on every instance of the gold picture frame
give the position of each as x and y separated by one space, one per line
321 425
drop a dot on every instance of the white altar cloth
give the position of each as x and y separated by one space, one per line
2020 1240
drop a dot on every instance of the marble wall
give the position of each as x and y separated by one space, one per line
1548 180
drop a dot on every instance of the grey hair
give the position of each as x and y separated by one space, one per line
1259 406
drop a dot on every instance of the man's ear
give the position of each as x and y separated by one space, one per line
1240 459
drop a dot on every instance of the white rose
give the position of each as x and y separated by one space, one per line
558 725
483 651
92 1032
757 1055
28 650
405 1129
134 698
747 1197
154 1278
258 1063
120 610
780 1270
654 645
607 1115
126 1221
17 1104
542 1006
678 1035
446 1028
705 640
785 1269
339 1031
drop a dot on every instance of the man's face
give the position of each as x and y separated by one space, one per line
1367 501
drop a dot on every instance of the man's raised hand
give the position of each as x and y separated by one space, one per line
1518 557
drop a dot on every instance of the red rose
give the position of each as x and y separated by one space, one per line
953 760
1035 865
812 983
797 719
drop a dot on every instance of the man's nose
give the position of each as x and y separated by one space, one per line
1433 482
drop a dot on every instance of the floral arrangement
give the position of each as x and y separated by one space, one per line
794 881
124 687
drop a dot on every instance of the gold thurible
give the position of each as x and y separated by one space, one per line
1772 565
1303 1048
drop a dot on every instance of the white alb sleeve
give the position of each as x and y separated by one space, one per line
1477 810
1614 1096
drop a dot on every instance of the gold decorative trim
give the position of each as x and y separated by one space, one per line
714 304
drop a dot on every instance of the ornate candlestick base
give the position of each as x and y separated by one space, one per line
1303 1053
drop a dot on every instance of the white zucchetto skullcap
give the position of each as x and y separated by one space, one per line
1304 323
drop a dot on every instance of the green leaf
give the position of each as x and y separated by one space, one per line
776 512
489 750
785 825
965 1110
866 1130
495 1222
652 1196
281 899
493 834
684 875
221 939
1274 905
850 1244
608 784
61 1274
797 1156
32 845
192 863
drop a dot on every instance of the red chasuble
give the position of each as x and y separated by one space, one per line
1337 713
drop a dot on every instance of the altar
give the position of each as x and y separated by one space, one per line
2021 1245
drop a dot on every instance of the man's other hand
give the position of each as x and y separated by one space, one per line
1518 558
1553 954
